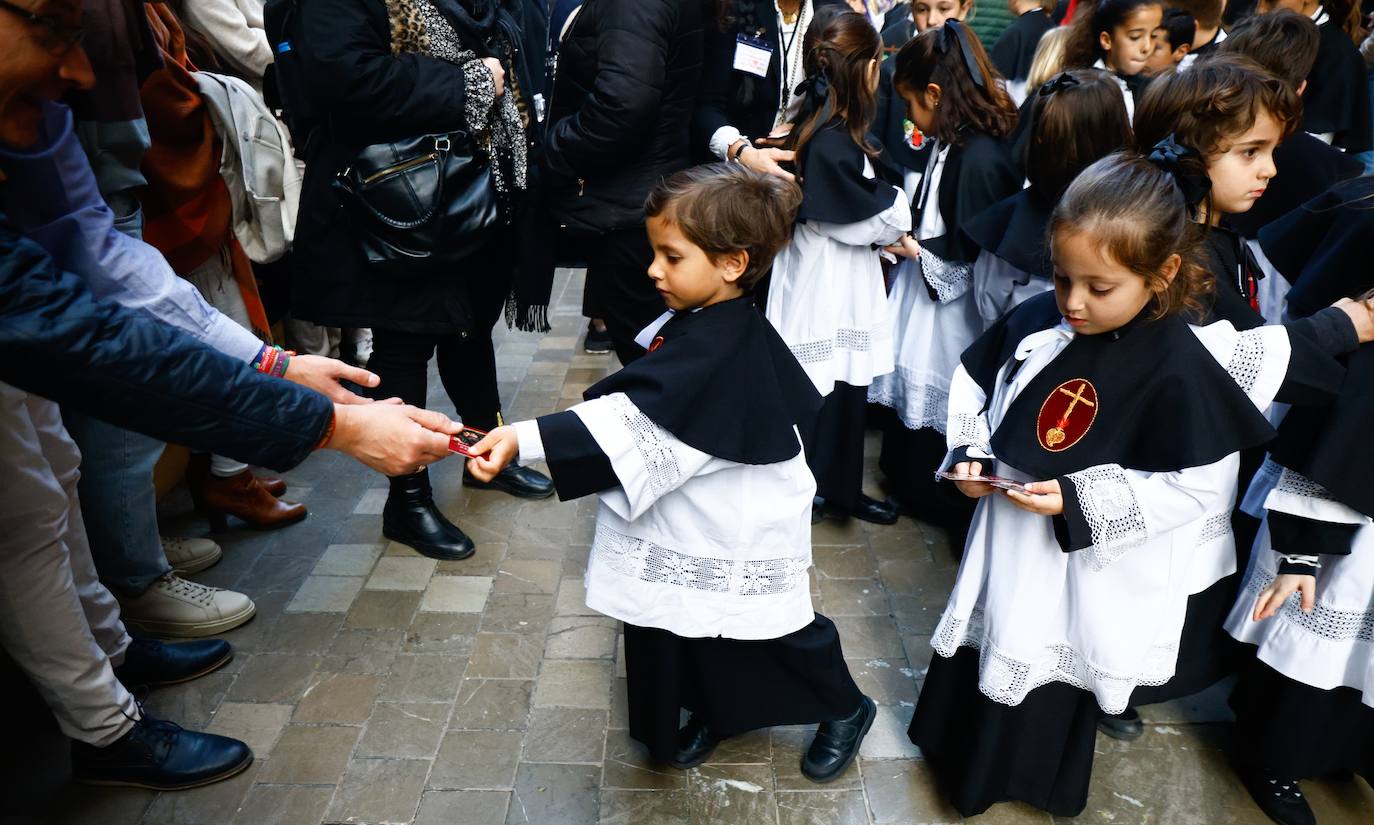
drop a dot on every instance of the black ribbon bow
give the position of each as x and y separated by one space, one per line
1185 164
1061 81
955 32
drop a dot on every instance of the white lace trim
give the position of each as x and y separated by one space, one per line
649 562
949 279
654 444
1217 526
916 395
1247 359
816 352
1007 680
1109 506
1324 620
966 430
1297 484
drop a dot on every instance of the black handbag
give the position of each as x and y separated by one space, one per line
420 201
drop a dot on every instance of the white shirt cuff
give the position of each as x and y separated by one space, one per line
531 443
723 139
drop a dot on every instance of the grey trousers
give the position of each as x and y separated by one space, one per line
60 625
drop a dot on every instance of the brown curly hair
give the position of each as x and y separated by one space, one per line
1136 212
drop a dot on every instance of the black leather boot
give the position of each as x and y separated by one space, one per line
1125 726
695 743
837 743
411 518
162 756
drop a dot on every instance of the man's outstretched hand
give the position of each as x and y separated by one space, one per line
395 439
324 374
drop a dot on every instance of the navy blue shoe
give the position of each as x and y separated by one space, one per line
149 663
161 756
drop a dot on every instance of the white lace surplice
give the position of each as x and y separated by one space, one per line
689 543
1107 618
1333 646
827 301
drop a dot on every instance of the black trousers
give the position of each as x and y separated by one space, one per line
619 288
467 365
734 686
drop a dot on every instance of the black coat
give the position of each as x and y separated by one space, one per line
730 97
365 94
1337 96
626 83
1014 51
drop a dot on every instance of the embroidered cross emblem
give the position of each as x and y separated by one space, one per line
1057 428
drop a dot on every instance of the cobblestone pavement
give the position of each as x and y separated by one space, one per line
377 686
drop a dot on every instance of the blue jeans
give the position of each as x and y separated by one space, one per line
119 503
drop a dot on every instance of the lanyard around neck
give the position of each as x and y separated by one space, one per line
788 66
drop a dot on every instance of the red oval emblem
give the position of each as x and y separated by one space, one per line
1067 414
656 343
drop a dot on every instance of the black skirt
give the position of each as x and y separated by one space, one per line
734 686
1206 653
1291 729
835 447
908 460
982 752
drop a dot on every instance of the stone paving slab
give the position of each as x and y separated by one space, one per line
377 686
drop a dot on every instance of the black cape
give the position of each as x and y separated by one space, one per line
722 381
834 189
890 127
1015 229
976 175
1162 402
1332 445
1337 96
1323 247
1306 168
1237 274
1014 51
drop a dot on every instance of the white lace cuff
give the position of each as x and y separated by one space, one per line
1103 514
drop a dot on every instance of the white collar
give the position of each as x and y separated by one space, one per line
1045 337
1320 17
646 336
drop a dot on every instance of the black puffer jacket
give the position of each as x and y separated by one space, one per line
620 116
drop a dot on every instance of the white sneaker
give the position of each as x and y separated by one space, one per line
179 608
190 555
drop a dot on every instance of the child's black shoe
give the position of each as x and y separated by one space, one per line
837 743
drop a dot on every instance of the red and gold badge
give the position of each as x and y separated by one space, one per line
655 344
1067 414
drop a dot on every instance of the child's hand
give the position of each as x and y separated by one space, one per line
491 455
1284 585
905 247
1044 498
972 489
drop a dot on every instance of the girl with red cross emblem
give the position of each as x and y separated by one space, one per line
1120 407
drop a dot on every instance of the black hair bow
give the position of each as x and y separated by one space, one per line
1061 81
952 32
1185 164
814 90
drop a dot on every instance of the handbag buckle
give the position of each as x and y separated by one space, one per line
442 144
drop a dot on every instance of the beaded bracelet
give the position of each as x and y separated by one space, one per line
273 360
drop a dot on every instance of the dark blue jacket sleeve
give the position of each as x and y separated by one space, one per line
58 341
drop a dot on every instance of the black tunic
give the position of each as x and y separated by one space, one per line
976 175
1014 51
1337 95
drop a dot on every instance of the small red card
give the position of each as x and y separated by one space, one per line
463 442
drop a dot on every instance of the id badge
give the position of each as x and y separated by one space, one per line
752 56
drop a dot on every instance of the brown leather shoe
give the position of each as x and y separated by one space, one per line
243 496
276 485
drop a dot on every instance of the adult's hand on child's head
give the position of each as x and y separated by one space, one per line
767 161
1043 498
324 374
972 489
1361 315
395 439
1273 597
491 455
